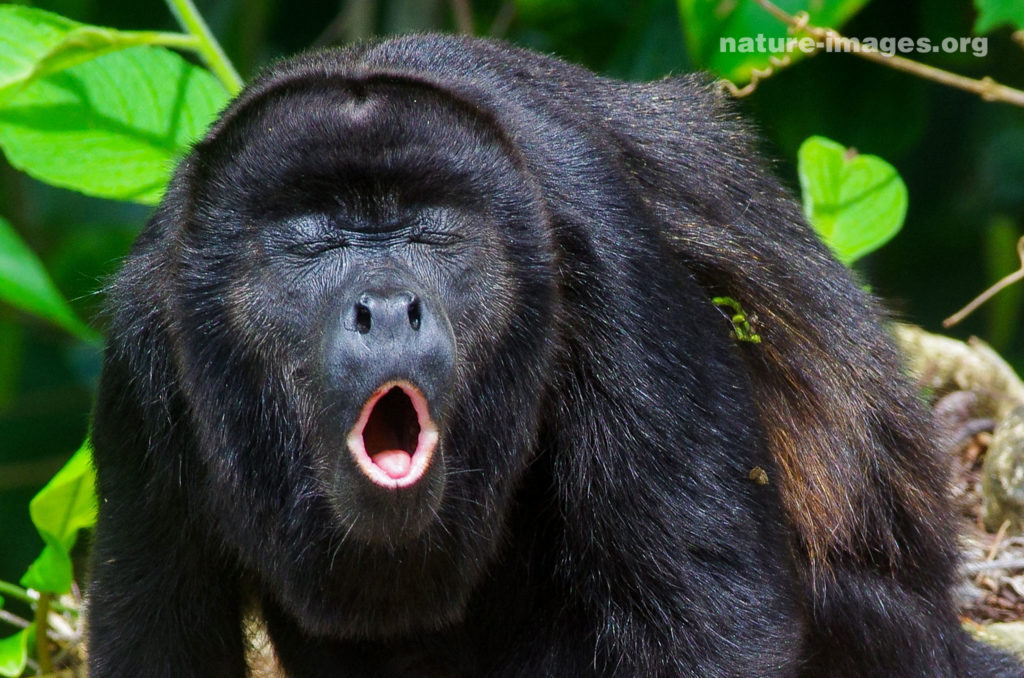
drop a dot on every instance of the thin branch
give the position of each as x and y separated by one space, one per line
356 20
209 49
13 619
775 63
1005 564
463 14
756 76
987 88
1004 282
503 20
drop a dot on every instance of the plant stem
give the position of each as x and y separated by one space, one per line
16 592
31 597
42 639
209 49
163 39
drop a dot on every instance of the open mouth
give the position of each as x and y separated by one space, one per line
394 437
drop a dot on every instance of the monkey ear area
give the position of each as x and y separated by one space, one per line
393 440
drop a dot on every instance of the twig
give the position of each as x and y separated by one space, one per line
355 21
1006 281
756 76
13 619
209 49
463 14
1004 564
997 541
503 19
775 63
987 88
990 557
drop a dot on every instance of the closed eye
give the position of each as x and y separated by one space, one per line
428 237
314 248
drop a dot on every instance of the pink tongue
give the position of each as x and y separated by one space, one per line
395 463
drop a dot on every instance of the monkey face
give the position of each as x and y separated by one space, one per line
362 272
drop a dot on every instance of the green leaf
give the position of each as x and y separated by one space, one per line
856 203
710 25
112 127
24 283
51 571
994 13
14 653
28 38
64 506
35 43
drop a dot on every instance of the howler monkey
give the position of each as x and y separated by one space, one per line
419 359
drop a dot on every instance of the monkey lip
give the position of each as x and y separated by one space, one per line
394 438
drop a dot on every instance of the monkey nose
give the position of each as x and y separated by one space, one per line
387 313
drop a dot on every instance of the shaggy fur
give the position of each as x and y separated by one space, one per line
591 509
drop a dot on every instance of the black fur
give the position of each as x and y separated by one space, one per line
591 510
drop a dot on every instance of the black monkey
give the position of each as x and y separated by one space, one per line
419 358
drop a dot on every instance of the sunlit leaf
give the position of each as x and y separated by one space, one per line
14 653
855 202
24 283
64 506
111 127
34 43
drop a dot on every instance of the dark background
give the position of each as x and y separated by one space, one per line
962 160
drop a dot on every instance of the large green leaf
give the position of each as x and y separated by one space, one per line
64 506
34 43
14 653
25 284
710 25
111 127
994 13
855 202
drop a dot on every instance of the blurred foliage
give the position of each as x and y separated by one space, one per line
706 23
995 13
962 161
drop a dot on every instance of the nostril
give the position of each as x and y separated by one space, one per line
364 319
415 313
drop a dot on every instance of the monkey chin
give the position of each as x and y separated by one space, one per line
394 439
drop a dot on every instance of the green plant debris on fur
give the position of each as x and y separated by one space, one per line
741 326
